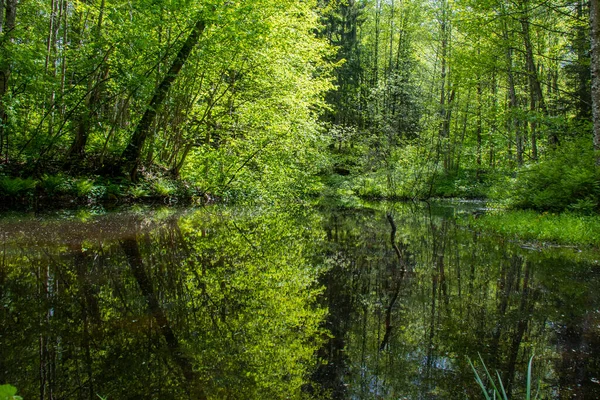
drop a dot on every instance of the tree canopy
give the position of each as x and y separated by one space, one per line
411 99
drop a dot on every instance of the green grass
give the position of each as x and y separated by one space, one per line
564 229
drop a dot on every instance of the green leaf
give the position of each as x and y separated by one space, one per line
9 392
479 381
529 369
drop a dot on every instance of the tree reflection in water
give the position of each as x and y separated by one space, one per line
409 335
384 302
158 305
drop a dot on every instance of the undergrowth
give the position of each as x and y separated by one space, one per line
62 190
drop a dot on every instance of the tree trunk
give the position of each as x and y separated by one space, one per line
446 93
479 128
595 22
513 102
582 46
91 105
537 96
525 309
8 25
1 15
131 156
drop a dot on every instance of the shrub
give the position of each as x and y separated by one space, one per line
163 188
9 392
83 187
16 186
113 190
568 179
138 191
53 184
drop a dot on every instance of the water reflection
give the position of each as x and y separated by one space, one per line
407 310
194 305
384 302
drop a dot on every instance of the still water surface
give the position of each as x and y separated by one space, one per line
377 302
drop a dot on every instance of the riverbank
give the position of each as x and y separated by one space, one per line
544 228
55 192
61 191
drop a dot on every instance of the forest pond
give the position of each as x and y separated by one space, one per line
387 301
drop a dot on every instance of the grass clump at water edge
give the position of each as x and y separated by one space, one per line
563 229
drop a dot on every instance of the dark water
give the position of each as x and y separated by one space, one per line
233 303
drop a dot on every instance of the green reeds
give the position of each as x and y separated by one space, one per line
497 391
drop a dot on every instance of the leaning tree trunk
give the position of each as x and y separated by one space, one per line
176 349
595 22
132 154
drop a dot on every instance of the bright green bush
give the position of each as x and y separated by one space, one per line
138 191
567 180
163 188
465 183
83 187
9 392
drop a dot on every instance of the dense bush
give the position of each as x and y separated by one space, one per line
13 187
566 180
465 183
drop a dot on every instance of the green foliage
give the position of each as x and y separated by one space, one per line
82 187
253 113
254 84
8 392
114 190
12 187
139 191
566 179
54 184
163 187
372 187
464 183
